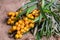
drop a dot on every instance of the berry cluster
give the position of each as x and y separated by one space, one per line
23 25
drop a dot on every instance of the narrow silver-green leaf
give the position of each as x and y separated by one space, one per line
30 9
32 0
29 4
43 3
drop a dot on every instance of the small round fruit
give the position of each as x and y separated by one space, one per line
22 26
14 27
12 22
22 30
26 29
36 15
25 19
9 19
18 36
16 23
8 22
18 28
31 25
21 21
17 13
18 32
10 13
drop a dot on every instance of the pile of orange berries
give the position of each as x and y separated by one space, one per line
12 17
23 25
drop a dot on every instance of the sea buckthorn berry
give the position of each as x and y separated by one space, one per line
12 22
12 17
31 25
25 19
8 22
18 28
30 16
27 26
22 26
22 30
16 23
36 15
10 13
26 22
18 36
21 21
16 13
9 19
18 32
26 29
14 27
13 14
19 25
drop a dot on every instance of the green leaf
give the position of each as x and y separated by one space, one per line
42 12
29 4
32 0
43 3
42 29
39 18
30 9
23 12
38 36
48 5
56 17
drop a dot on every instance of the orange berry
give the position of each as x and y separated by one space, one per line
31 25
36 15
16 23
18 28
26 29
21 21
17 13
14 27
18 36
22 30
12 22
9 19
25 19
26 22
18 32
13 14
30 16
22 26
8 22
12 17
10 13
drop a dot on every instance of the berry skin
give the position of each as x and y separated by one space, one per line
12 17
16 23
12 22
11 14
18 28
18 36
26 29
22 30
9 19
16 13
8 22
31 25
14 27
30 16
